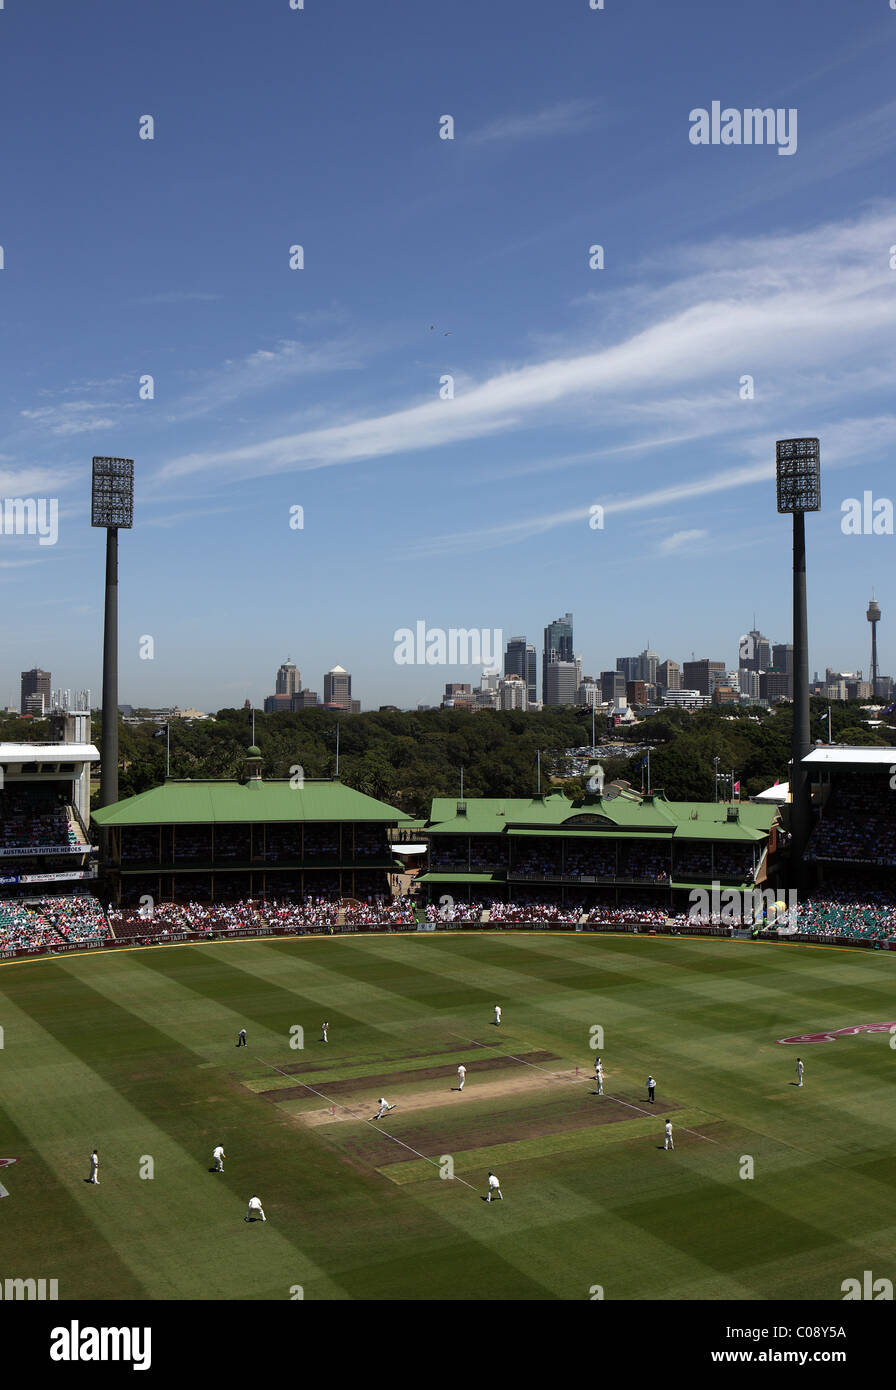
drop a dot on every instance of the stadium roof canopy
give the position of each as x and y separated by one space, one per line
48 753
855 757
778 795
202 803
623 814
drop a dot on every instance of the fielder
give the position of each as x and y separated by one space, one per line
670 1143
241 1040
385 1107
497 1014
255 1210
599 1075
323 1029
219 1155
799 1071
461 1076
94 1166
494 1187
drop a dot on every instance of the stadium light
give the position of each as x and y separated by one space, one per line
799 491
112 508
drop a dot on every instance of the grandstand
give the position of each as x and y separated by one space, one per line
44 842
594 852
219 842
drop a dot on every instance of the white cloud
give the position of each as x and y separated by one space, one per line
561 119
681 540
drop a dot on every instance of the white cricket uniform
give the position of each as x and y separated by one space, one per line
668 1144
799 1072
462 1074
218 1155
324 1027
384 1106
255 1209
494 1187
497 1013
94 1167
599 1078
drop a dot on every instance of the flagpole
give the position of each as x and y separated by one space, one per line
167 748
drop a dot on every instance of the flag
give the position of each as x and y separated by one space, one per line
643 762
776 782
737 788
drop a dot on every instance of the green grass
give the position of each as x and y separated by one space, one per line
134 1052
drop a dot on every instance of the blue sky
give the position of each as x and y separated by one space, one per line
425 258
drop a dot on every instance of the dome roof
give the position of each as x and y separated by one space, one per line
254 752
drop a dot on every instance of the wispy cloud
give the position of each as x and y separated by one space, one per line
812 298
175 297
564 118
681 540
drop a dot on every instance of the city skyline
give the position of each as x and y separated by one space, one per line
521 385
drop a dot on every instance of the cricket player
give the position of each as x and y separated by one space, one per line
94 1166
461 1076
384 1107
799 1071
219 1156
255 1210
599 1075
494 1188
497 1014
670 1143
651 1087
241 1040
323 1029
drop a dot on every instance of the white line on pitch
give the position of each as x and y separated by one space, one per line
557 1077
356 1116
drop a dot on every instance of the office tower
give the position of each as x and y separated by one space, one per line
338 688
612 686
755 651
560 683
35 683
668 675
513 693
649 663
519 660
289 680
630 667
636 693
557 648
702 675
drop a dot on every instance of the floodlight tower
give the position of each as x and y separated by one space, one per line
873 616
112 508
799 491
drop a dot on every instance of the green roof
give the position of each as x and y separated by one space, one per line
437 876
199 803
553 813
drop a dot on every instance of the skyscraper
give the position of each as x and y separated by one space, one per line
668 675
754 651
649 663
630 667
703 675
338 688
289 680
612 686
519 660
35 683
557 648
